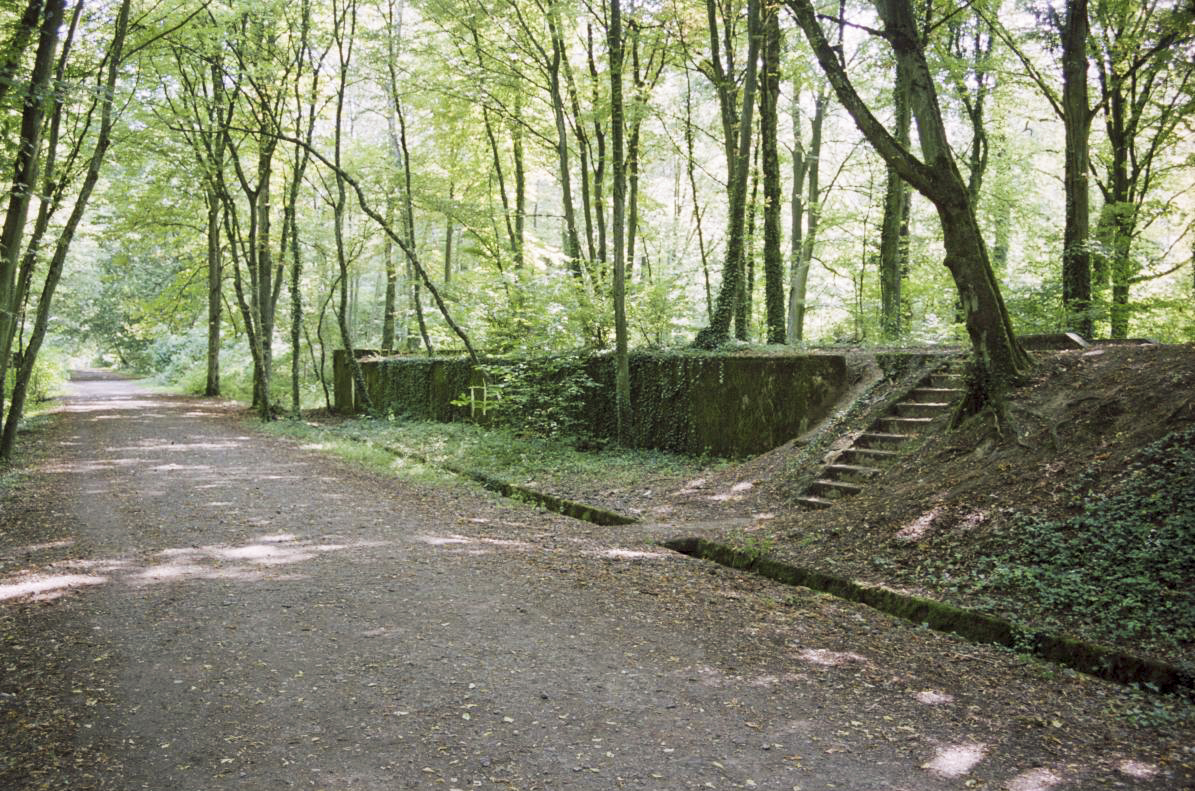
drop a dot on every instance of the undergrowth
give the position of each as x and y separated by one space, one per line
503 453
1124 564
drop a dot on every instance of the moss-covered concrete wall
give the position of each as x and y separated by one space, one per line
726 405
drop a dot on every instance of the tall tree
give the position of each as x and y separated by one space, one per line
999 358
35 99
738 153
1076 118
773 263
198 112
894 228
105 98
806 200
622 376
1142 55
344 30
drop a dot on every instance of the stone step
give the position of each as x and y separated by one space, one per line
950 380
881 439
928 409
869 456
824 487
903 425
935 394
809 501
849 473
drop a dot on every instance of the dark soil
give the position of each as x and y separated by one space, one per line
187 604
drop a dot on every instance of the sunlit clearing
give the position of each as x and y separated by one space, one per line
102 405
1137 769
931 698
175 446
1034 780
955 760
40 584
820 656
95 466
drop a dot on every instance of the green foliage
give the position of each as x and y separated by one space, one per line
1124 562
753 546
51 371
537 396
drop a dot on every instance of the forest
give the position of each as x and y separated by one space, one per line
222 193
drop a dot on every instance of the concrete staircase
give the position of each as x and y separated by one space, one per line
850 471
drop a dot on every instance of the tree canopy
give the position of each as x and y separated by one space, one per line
224 192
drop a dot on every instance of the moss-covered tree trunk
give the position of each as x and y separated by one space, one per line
622 375
718 331
773 261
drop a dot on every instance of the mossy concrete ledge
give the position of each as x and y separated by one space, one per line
724 404
1096 660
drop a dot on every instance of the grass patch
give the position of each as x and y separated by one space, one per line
321 439
545 464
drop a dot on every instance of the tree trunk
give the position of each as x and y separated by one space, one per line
570 84
449 230
25 164
813 213
999 358
572 243
14 50
746 291
893 244
1076 256
66 236
690 170
388 305
344 44
718 330
773 265
622 376
516 141
599 165
215 278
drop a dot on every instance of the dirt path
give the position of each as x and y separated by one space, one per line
187 604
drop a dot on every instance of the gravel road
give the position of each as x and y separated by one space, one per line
187 604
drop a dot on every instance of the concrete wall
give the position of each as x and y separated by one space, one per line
726 405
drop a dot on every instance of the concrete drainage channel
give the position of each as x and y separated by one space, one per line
978 627
1096 660
549 502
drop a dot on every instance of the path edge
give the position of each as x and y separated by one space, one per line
978 627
